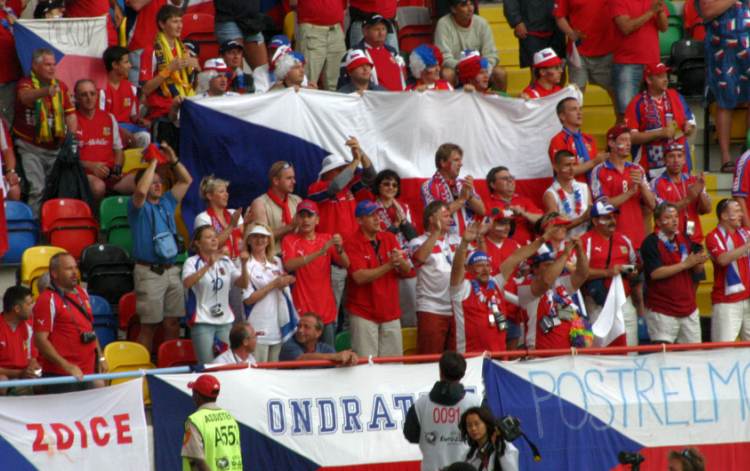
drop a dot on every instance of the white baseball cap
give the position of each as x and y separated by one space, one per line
331 162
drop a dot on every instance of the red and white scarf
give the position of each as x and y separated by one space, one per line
234 243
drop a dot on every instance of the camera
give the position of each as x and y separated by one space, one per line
88 337
500 321
216 310
510 427
628 269
627 457
546 324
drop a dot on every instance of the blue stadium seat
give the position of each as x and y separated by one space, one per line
105 322
23 231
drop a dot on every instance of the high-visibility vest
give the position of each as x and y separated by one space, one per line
221 440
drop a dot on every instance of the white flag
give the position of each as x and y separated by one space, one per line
611 324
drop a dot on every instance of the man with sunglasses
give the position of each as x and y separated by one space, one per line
99 144
157 279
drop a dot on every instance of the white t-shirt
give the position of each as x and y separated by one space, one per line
203 219
230 358
211 290
264 314
567 207
434 276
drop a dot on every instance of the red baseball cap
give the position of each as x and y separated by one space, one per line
616 130
307 205
206 385
655 69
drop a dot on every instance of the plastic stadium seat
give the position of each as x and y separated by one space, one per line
22 231
133 160
126 312
128 356
35 263
69 223
410 37
100 308
409 339
105 323
108 271
343 341
199 27
176 352
114 225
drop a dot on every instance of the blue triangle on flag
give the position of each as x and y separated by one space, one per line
12 458
171 407
27 42
568 437
240 152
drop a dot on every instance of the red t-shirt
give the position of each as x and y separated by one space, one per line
90 8
121 101
145 29
321 12
668 191
642 45
474 332
717 244
523 233
386 68
675 295
606 180
377 301
11 69
565 141
16 346
386 8
498 254
693 22
312 292
65 323
586 16
96 137
537 308
24 125
535 90
598 248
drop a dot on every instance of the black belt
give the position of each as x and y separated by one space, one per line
163 266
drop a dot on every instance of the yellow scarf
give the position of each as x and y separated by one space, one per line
43 133
179 79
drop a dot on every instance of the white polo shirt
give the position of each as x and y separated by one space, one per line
434 276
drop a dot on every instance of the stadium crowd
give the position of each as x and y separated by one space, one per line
279 280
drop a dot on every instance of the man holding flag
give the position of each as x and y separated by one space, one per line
728 246
44 113
610 253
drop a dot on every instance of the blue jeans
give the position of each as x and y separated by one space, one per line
626 80
227 30
203 339
356 35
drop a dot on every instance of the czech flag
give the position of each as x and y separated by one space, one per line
238 138
78 45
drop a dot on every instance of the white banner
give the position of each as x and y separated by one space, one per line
336 416
78 36
96 430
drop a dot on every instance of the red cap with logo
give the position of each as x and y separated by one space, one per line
206 385
655 69
616 130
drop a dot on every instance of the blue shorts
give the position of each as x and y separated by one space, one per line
513 331
228 30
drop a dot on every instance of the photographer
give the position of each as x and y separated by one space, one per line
209 275
63 328
158 288
610 253
488 450
689 459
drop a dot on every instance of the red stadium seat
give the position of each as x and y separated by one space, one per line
412 36
70 224
176 353
199 27
415 25
131 324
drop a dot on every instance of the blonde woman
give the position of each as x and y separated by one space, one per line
268 302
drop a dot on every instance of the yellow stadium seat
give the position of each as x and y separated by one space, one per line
493 13
596 96
35 263
409 338
504 37
125 356
518 79
739 118
509 58
133 160
598 119
290 20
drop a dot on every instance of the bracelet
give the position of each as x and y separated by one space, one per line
9 170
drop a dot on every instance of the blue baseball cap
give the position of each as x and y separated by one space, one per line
279 40
478 256
602 207
365 208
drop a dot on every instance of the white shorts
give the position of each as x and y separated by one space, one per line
728 320
663 328
629 314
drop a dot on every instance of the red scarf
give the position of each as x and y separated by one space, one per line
235 238
286 214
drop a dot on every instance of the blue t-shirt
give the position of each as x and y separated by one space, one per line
291 350
141 220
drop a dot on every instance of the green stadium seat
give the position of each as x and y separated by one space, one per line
113 214
343 341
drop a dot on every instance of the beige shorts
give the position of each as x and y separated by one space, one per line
663 328
158 296
729 320
372 338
